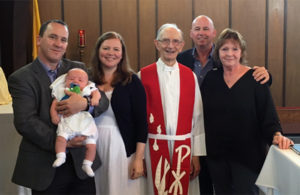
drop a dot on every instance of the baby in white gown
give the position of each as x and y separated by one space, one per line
79 124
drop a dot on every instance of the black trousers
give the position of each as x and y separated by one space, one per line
66 182
206 186
231 177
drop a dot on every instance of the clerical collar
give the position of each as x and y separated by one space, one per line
164 67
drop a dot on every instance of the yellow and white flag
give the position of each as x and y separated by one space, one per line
36 27
5 97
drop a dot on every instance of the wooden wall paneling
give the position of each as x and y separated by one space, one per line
275 48
217 10
49 9
292 54
147 32
289 119
121 16
179 12
248 17
136 21
82 14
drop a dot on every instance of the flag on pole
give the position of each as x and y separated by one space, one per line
36 27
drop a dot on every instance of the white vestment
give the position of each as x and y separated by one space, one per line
169 83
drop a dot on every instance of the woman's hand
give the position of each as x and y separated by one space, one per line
282 141
136 169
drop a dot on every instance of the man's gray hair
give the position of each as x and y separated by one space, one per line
165 26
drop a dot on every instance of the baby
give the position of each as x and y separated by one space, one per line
79 124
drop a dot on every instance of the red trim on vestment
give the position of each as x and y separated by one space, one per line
162 169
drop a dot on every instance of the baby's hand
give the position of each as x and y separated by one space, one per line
55 120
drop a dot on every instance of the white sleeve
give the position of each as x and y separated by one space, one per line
199 146
87 90
58 87
139 74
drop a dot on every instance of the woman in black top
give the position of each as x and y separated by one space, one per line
240 119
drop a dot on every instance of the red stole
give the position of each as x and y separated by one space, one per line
169 178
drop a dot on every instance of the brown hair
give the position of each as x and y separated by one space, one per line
230 34
45 25
123 72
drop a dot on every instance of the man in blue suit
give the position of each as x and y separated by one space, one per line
29 87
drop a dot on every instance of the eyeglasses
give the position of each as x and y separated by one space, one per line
175 42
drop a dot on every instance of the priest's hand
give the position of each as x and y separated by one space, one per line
195 167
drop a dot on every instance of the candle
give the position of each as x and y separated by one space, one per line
81 35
